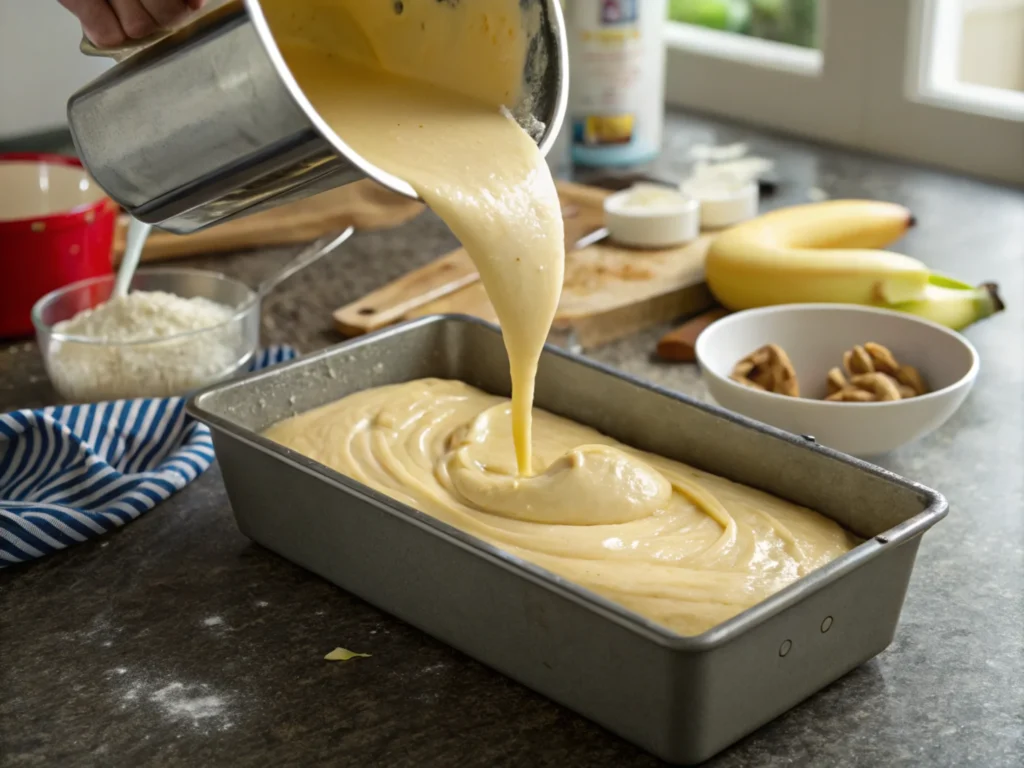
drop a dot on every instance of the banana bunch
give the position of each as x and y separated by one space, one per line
830 252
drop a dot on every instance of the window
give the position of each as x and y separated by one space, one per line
935 81
970 56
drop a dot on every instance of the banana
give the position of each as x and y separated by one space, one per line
954 304
830 252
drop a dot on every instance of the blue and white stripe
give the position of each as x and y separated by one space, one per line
70 473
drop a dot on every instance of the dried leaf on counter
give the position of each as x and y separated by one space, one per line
344 654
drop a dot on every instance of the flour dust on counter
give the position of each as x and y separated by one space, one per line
197 706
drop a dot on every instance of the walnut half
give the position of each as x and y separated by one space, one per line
875 376
768 369
872 375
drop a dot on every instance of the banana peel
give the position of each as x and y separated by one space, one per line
832 252
953 303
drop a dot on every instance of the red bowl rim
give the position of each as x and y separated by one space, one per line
70 216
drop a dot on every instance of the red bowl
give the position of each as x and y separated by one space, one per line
56 227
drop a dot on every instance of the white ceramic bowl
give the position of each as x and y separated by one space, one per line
815 337
651 216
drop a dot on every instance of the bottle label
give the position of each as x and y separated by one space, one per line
618 11
616 76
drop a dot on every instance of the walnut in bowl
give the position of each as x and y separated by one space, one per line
905 352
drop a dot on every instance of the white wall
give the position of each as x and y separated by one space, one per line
40 65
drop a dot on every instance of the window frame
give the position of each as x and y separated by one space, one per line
870 87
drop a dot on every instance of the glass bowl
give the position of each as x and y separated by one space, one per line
84 369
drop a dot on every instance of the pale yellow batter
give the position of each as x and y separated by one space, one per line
682 547
419 93
474 166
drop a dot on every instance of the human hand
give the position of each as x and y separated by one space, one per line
109 23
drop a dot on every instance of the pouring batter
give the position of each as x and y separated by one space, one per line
682 547
444 132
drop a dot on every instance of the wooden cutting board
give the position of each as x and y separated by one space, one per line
364 204
609 291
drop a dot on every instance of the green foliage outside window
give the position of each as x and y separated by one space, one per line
784 21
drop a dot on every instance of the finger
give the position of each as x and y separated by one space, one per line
167 13
195 5
135 19
99 22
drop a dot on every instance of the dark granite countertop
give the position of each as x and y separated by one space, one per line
177 642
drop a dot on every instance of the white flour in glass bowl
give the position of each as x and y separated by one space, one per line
145 344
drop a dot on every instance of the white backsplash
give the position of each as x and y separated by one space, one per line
40 65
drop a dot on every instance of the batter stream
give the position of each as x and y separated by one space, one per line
420 93
417 88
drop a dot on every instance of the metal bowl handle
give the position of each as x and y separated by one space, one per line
209 13
119 52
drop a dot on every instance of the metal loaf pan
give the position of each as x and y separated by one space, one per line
682 698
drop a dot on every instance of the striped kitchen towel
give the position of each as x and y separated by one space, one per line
70 473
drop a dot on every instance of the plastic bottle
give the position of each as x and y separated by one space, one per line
616 80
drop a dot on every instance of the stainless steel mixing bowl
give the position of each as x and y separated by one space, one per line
208 124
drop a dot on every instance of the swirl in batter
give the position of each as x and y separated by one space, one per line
679 546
